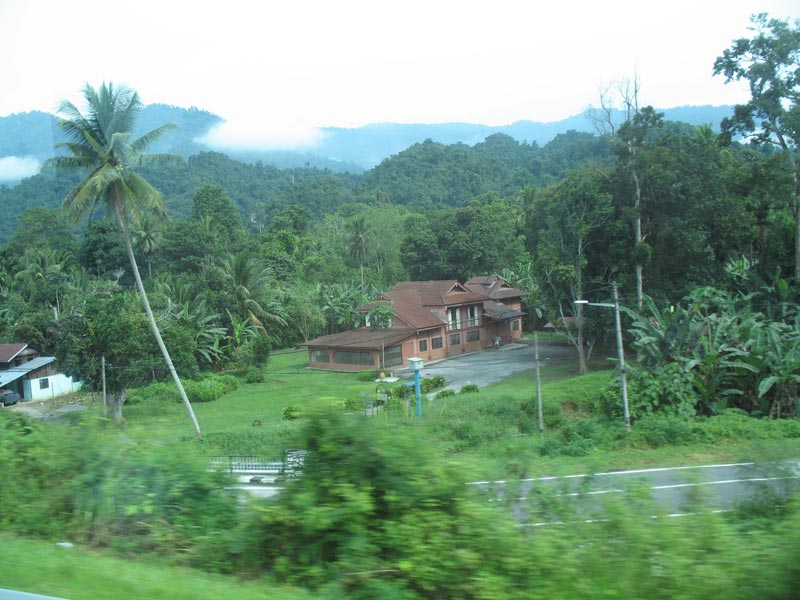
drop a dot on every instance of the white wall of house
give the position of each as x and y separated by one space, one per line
45 388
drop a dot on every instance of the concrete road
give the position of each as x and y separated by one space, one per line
491 366
676 490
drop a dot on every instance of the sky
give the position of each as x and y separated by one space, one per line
277 71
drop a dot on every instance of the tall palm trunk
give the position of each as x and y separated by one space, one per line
123 223
796 215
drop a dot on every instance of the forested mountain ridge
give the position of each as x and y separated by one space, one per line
426 176
34 135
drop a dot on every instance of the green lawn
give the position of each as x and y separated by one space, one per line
490 434
484 443
231 418
80 574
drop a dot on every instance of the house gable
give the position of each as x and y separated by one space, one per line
432 320
14 353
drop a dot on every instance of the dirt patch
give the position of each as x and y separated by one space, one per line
48 410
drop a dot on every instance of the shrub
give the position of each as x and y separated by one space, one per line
71 483
254 376
268 440
358 508
153 393
290 413
445 394
367 376
664 430
211 388
428 384
470 388
207 389
666 389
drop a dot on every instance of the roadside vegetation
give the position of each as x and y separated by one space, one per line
711 323
382 509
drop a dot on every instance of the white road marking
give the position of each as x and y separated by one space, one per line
629 472
720 482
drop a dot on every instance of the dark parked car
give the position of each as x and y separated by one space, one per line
8 397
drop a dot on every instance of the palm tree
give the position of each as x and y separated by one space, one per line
146 237
100 143
254 289
357 242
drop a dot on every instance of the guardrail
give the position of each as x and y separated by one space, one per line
257 470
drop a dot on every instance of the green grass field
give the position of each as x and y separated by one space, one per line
80 574
480 430
488 434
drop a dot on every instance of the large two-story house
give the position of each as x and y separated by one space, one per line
430 320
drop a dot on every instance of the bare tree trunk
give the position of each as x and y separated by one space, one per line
796 215
117 402
123 223
581 343
578 295
637 234
797 244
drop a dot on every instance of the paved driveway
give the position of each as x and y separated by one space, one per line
491 366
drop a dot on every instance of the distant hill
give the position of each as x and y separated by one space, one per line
27 139
369 145
36 133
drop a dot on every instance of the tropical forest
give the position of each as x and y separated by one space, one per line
179 284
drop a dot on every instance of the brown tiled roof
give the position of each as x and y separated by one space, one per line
498 310
408 307
440 293
9 351
363 338
494 287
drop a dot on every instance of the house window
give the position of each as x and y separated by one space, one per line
393 357
436 343
320 356
44 383
454 319
349 357
385 323
474 336
423 345
455 339
472 316
515 325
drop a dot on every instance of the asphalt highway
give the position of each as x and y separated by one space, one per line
674 490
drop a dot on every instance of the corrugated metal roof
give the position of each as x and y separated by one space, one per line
9 351
15 373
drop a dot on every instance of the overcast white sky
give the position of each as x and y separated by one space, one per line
284 68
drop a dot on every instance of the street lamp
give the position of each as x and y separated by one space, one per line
620 351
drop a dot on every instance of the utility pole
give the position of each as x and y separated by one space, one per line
620 350
621 357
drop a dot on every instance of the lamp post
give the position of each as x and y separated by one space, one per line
416 365
620 351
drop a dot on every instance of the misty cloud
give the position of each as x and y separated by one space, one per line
16 168
250 134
